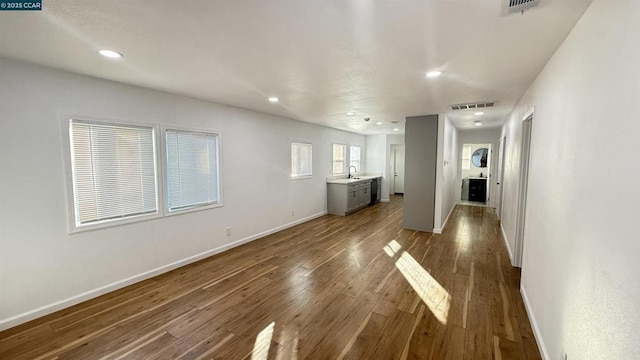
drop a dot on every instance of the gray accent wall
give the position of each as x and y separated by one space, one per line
421 145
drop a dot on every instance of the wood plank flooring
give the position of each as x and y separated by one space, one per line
355 287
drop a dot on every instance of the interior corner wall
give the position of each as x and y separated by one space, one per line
421 145
581 244
447 182
44 268
376 161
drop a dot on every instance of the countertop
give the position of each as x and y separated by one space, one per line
353 180
477 178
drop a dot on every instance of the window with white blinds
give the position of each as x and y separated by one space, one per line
301 160
354 157
466 157
113 170
339 159
193 176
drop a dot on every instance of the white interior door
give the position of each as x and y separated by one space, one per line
398 169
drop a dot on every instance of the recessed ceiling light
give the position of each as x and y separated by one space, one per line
110 54
379 123
350 113
434 74
273 99
477 123
396 129
478 113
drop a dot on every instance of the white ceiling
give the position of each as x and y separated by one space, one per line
321 58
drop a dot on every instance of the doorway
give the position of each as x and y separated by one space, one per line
475 173
397 169
524 183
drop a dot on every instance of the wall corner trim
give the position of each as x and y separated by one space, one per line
444 224
74 300
529 113
506 243
534 324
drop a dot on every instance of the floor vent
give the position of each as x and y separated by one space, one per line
515 6
472 106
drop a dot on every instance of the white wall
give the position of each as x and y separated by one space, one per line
43 268
447 182
376 160
580 274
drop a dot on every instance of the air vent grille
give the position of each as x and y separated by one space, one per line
520 5
472 106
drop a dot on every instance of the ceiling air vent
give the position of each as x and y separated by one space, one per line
473 106
514 6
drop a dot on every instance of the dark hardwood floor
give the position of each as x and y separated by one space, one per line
355 287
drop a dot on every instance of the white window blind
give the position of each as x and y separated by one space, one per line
192 169
301 160
354 157
113 171
466 157
339 159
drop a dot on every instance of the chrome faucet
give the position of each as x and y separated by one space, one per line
355 168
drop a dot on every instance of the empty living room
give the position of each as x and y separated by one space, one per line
421 179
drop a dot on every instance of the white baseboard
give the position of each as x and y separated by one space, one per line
506 243
534 325
385 200
63 304
444 224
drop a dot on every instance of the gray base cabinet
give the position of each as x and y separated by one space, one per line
343 199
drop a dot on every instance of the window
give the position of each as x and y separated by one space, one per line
354 157
339 159
301 160
193 178
113 170
466 157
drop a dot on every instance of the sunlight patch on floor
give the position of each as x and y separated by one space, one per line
436 297
263 343
392 248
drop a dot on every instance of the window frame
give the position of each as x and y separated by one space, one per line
304 142
466 162
359 167
346 159
72 227
165 177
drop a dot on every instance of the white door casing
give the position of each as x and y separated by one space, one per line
398 169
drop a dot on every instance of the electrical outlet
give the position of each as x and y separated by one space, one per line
228 230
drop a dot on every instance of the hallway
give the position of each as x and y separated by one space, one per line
356 287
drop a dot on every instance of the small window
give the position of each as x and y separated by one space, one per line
466 157
301 160
354 157
339 159
193 174
113 171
